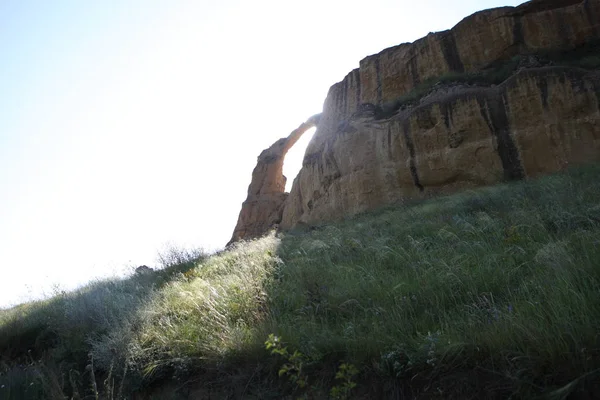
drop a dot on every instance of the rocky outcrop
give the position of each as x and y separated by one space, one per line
263 207
478 42
536 122
484 102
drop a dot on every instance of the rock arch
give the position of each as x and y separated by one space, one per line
263 207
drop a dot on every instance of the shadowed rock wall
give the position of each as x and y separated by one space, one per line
536 122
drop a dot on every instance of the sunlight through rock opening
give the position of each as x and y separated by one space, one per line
263 208
292 162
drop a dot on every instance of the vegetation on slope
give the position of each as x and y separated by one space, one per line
486 294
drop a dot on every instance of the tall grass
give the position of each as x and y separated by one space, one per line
502 282
49 341
490 293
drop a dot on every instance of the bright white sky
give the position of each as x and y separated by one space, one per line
128 125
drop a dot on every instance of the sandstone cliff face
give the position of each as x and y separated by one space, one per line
477 42
538 121
454 135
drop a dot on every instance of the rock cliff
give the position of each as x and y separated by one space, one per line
508 93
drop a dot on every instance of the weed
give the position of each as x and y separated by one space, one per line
293 367
346 374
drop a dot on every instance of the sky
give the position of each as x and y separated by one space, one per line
131 126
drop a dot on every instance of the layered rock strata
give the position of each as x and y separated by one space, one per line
388 133
480 41
538 121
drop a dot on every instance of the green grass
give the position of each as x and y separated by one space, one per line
489 293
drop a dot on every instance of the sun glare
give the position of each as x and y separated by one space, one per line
293 160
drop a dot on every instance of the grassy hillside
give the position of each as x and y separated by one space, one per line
486 294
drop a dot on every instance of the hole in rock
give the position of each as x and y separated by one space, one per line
292 163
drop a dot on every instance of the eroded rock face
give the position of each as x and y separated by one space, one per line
263 207
388 132
479 41
536 122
